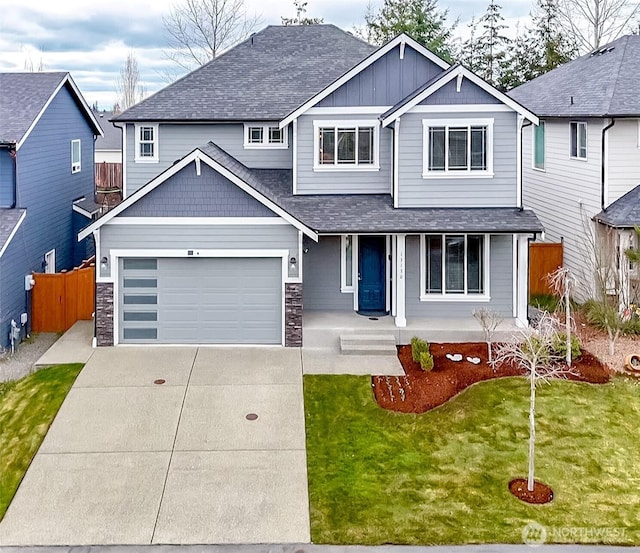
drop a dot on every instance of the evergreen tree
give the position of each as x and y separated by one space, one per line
468 54
554 49
420 19
492 44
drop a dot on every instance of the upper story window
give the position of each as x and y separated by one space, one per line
455 266
346 145
265 136
146 143
458 148
538 146
76 156
579 139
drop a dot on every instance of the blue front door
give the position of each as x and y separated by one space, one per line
371 274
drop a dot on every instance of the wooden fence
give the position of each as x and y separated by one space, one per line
544 258
108 176
58 300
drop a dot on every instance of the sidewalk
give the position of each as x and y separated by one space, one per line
74 346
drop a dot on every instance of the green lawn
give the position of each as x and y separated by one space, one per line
27 408
441 477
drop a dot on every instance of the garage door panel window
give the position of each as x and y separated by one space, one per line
140 300
141 316
140 264
140 333
140 282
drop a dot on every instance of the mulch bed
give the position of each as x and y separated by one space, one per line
541 493
419 391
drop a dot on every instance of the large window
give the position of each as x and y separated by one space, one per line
454 265
146 143
346 145
579 139
76 155
265 135
538 146
458 148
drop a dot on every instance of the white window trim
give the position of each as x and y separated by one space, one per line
466 296
542 169
344 287
586 143
638 133
156 143
265 144
345 124
427 123
50 260
76 167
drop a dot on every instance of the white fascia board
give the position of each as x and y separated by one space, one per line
196 154
375 56
231 221
465 73
13 233
88 112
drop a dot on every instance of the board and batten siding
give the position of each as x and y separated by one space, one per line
623 163
470 93
321 290
566 194
7 178
386 81
176 141
335 181
500 284
497 191
201 236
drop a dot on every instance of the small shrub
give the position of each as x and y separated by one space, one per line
536 345
418 345
545 302
600 314
426 361
559 345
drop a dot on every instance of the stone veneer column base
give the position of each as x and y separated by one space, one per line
293 314
104 313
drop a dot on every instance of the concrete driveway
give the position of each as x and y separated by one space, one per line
128 461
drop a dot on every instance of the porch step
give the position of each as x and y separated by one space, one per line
368 344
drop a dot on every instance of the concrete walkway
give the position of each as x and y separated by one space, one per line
128 461
74 346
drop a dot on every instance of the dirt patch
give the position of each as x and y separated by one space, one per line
541 493
419 391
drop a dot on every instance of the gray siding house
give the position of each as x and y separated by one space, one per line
581 164
47 132
286 179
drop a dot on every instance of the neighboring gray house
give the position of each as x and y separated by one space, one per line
582 163
286 181
108 146
47 133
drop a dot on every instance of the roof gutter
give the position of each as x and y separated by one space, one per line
603 165
11 147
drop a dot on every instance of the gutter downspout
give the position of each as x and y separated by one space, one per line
603 165
521 168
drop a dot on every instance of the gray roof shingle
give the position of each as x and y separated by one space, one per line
624 212
112 139
8 220
601 85
341 213
22 97
263 78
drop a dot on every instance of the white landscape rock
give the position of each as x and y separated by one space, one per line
474 360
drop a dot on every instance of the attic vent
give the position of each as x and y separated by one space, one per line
601 51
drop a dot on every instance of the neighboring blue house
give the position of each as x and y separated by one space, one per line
303 176
47 135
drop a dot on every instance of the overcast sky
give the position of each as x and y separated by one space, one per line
91 39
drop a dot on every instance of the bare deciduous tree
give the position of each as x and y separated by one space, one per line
532 349
563 283
199 30
489 321
29 64
128 86
592 23
301 15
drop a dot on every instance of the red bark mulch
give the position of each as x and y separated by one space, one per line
420 391
541 492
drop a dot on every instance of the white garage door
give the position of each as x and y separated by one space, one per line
201 300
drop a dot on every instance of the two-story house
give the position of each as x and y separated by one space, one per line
47 132
303 172
582 162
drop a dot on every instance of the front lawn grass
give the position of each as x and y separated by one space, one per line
441 477
27 409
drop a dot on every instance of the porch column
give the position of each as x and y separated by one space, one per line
522 290
401 319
